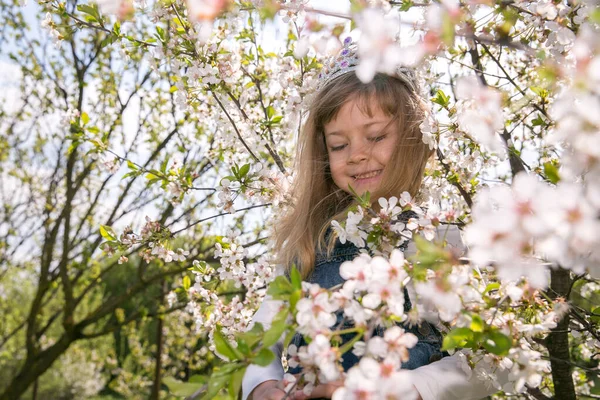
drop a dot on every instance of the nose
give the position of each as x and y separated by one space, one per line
358 153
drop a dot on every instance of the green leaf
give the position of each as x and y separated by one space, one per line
107 233
294 297
252 337
270 112
128 174
186 282
160 34
108 40
429 255
223 346
364 200
91 10
406 5
288 338
215 384
551 172
244 169
491 286
357 6
235 383
198 379
596 318
275 332
296 278
280 287
477 324
131 166
457 337
538 121
441 98
243 347
447 35
497 343
263 358
85 118
178 388
543 93
595 15
163 165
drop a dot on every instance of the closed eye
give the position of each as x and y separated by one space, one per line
378 138
338 148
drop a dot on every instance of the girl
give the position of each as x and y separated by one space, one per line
361 137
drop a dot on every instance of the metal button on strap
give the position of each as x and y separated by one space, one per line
424 329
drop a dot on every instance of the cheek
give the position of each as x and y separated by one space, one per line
335 167
386 152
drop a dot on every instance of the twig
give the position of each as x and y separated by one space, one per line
219 215
461 189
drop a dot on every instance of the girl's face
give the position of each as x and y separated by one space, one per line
359 147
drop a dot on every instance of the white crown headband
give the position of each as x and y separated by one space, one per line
347 61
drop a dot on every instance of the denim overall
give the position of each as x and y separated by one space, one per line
327 274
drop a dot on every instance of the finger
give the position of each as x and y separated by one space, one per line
323 390
276 394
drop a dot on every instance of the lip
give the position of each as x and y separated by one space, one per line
363 180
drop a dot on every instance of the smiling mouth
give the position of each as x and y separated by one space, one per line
367 175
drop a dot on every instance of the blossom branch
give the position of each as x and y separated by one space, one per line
463 192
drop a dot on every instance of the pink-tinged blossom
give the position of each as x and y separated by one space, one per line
394 269
355 235
320 354
516 228
528 368
504 222
121 8
205 10
378 50
315 313
358 270
359 314
545 323
545 9
389 207
429 128
386 286
339 231
480 113
447 303
372 380
301 48
394 343
448 294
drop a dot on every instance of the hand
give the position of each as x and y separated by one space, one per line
268 390
324 390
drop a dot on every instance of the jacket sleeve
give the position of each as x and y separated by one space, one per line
445 380
256 374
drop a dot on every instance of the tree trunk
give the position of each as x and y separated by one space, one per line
35 390
558 341
159 350
35 367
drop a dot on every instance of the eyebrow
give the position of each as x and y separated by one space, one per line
368 124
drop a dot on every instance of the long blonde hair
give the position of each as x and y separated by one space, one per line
316 199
